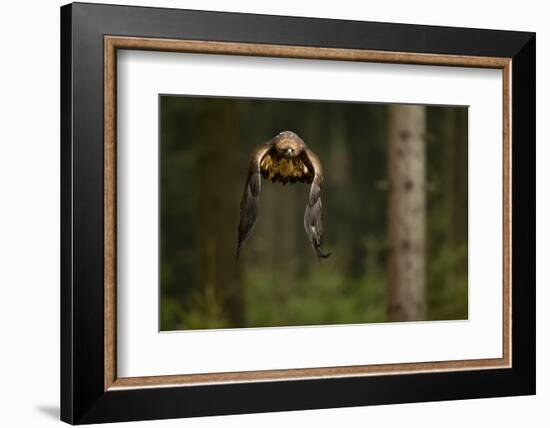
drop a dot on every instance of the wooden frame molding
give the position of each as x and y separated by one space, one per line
113 43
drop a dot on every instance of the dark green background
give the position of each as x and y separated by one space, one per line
204 148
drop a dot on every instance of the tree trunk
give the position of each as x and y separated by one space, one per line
461 176
407 213
455 138
218 210
449 178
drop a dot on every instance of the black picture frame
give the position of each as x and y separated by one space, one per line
83 398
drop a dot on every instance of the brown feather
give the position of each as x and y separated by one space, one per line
284 159
277 168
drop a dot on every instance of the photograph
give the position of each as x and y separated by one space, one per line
280 213
273 211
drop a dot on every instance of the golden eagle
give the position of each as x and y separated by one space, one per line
284 159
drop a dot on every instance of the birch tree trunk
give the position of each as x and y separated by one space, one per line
407 213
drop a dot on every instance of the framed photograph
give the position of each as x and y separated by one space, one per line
266 213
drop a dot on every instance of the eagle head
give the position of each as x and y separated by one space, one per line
288 144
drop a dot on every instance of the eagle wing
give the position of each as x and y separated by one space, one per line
251 194
313 215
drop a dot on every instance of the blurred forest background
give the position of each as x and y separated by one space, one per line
399 252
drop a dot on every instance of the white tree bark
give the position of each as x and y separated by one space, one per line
407 213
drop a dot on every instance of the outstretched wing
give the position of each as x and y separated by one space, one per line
251 194
314 209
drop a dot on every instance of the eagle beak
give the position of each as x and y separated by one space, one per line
288 152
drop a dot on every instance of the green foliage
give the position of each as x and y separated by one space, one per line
323 296
448 285
205 311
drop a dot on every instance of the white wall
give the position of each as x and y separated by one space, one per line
29 214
